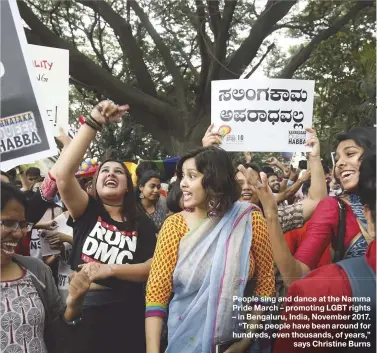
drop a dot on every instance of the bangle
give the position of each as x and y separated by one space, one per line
91 124
95 122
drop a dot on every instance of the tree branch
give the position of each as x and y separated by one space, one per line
214 16
181 51
89 35
273 12
220 46
204 42
179 83
157 117
304 53
270 47
127 42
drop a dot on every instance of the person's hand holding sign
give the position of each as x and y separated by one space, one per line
313 142
211 138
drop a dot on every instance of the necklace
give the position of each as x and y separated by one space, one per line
112 205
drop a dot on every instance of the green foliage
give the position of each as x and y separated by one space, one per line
126 142
343 66
344 69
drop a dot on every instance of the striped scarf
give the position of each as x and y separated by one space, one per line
357 208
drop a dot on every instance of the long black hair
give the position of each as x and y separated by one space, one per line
129 204
364 137
367 182
9 193
174 198
219 181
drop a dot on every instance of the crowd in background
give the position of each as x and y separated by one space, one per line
106 265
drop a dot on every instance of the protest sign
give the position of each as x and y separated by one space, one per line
51 66
24 132
265 115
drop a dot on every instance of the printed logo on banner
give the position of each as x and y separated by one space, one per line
18 131
234 139
296 137
107 244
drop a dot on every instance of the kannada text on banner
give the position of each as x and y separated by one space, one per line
265 116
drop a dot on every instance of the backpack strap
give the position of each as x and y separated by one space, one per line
361 276
339 242
363 284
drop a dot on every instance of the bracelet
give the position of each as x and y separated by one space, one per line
95 124
73 322
91 124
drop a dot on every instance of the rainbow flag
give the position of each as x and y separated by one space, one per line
166 167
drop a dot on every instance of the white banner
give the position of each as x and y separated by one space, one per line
268 115
51 67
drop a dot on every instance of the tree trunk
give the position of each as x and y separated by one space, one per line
194 135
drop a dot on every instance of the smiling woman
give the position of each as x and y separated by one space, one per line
26 280
112 244
322 229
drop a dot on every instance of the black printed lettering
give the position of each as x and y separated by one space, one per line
106 244
106 253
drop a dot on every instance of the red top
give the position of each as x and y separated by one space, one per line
322 226
295 237
330 280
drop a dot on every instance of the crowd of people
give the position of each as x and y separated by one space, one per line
117 266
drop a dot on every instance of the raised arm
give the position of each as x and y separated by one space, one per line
25 183
74 198
292 190
318 188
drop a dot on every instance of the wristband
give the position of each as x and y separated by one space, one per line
73 322
94 121
93 124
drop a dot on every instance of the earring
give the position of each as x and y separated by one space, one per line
212 208
141 195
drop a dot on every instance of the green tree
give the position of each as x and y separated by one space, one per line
344 69
127 142
162 58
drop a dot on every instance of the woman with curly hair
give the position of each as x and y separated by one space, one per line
207 255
